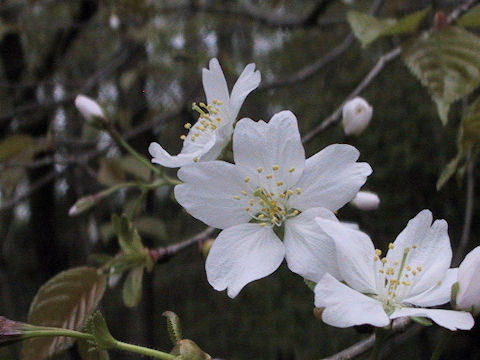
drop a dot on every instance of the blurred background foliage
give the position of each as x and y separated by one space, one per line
142 61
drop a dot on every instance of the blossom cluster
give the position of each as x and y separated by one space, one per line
272 203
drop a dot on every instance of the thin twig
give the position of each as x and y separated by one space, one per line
164 253
467 224
462 9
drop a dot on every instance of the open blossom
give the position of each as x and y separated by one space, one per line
468 296
211 133
271 189
357 114
414 274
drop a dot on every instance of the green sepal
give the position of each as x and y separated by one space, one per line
174 327
421 320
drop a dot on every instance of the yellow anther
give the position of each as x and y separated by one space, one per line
414 272
261 216
269 176
282 196
251 202
408 267
187 126
396 262
384 260
218 119
244 192
289 192
283 212
275 167
407 276
439 282
183 137
246 179
375 258
378 252
196 134
414 246
419 268
291 170
259 169
406 283
202 104
195 159
381 271
298 191
263 224
247 209
261 202
296 212
217 102
279 183
391 246
236 197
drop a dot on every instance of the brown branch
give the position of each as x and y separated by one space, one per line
462 9
163 254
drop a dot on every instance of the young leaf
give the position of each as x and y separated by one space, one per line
65 301
368 28
447 62
310 284
471 18
128 237
132 288
88 351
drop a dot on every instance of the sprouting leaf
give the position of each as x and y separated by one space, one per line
65 301
97 326
368 28
471 18
87 351
421 320
447 62
128 237
132 287
174 326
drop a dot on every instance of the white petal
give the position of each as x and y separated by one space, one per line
468 296
242 254
208 192
429 248
309 251
221 138
331 178
267 145
346 307
248 81
355 253
162 157
214 83
438 294
449 319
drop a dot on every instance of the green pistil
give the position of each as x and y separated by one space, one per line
402 265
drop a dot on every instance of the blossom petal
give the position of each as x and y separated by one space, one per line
309 251
210 191
248 81
220 139
468 296
242 254
449 319
430 249
355 253
162 157
346 307
214 83
436 295
331 178
257 144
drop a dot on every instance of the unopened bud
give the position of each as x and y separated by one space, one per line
87 202
357 114
91 111
468 292
440 20
10 331
205 247
366 200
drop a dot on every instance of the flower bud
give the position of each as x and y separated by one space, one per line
366 200
468 295
91 111
87 202
10 331
357 114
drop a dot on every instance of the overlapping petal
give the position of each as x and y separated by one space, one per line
241 254
331 178
248 81
346 307
450 319
438 294
309 251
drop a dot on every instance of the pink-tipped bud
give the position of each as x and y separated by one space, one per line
10 331
366 200
357 114
91 111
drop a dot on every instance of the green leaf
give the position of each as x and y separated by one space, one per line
368 28
14 145
310 284
448 171
97 326
471 18
447 62
65 301
174 326
132 287
421 320
151 226
128 238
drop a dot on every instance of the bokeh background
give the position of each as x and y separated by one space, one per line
142 61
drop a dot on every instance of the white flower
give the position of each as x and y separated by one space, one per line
89 108
209 135
366 200
270 189
468 296
357 114
414 274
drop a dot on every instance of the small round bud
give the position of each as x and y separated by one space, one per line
357 114
91 111
468 295
366 200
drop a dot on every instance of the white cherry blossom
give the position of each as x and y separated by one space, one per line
270 194
209 135
468 296
413 275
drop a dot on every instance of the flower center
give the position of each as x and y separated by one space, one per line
395 278
268 205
